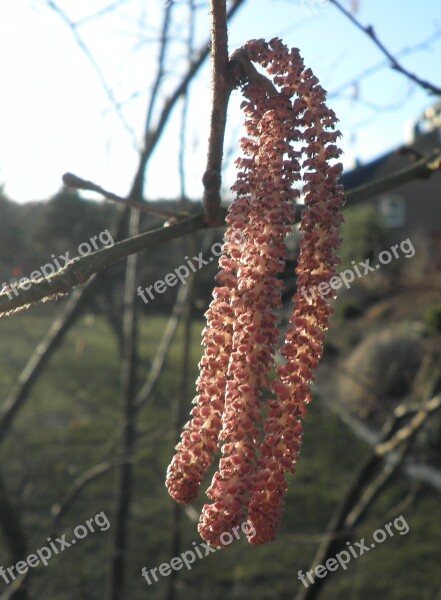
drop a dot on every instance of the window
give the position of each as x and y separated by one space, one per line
392 209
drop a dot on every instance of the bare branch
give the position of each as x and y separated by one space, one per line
80 269
177 409
59 510
380 65
185 104
148 208
160 70
164 346
152 137
406 432
361 494
108 90
38 360
422 169
370 32
221 93
129 366
103 11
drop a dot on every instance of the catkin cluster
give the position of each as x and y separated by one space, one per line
289 148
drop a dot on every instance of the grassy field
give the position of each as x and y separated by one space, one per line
71 422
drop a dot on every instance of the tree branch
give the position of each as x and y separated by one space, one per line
161 66
152 137
361 494
221 93
422 169
12 530
78 272
129 368
177 410
81 268
408 431
164 346
370 32
109 92
380 65
95 472
77 183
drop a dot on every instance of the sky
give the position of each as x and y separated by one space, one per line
55 115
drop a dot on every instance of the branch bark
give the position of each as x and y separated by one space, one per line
10 524
370 32
83 268
421 169
148 208
125 474
152 137
177 413
221 93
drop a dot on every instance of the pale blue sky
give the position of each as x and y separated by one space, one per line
55 117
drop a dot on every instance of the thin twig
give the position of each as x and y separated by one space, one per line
100 13
177 410
129 368
185 104
422 169
359 497
78 272
406 432
148 208
157 365
161 65
80 269
59 510
38 360
380 65
221 93
153 137
370 32
109 92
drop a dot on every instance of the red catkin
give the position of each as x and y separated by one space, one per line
290 137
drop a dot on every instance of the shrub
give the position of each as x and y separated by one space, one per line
432 317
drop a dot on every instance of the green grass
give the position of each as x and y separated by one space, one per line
70 422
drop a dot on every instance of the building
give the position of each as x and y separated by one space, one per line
414 208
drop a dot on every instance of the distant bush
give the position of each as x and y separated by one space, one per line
432 317
380 371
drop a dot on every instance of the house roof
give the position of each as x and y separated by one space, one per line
393 161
